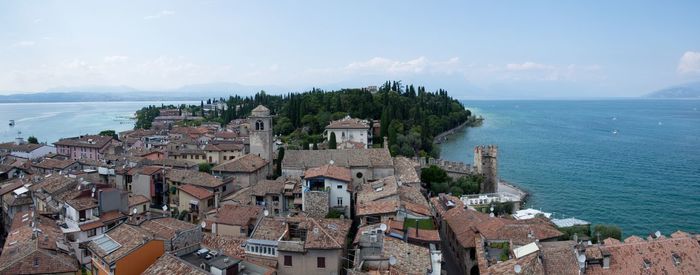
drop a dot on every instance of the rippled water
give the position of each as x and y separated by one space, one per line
51 121
634 163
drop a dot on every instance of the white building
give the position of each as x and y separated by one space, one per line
349 131
331 179
30 151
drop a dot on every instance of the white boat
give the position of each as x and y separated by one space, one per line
12 122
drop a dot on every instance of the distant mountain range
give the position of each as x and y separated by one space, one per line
125 93
688 90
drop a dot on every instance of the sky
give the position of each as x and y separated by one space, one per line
486 49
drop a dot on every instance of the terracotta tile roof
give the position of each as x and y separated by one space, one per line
137 199
89 141
82 203
171 265
371 157
128 237
559 258
14 147
406 170
197 192
237 214
410 259
54 164
348 123
378 207
413 194
269 228
21 250
167 228
467 224
239 197
629 258
147 170
228 245
329 171
193 177
264 187
320 233
425 235
224 147
332 233
443 202
11 185
54 183
245 164
416 208
174 163
380 189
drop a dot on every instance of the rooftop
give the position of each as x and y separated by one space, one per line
169 264
167 228
54 164
126 238
329 171
245 164
89 141
240 215
197 192
371 157
193 177
348 123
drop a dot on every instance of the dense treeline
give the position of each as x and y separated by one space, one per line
410 116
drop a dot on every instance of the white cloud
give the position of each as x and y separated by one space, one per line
115 58
383 65
23 44
159 15
527 66
689 63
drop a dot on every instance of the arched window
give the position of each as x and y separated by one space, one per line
259 125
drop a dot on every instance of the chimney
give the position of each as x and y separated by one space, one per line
386 142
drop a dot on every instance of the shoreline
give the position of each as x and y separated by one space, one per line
441 137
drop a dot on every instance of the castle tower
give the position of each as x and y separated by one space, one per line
485 163
261 132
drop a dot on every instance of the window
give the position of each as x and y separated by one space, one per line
223 188
340 187
321 262
287 260
92 232
36 261
340 201
210 202
358 175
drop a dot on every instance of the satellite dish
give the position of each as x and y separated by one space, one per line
392 260
266 213
581 258
93 189
382 227
517 268
204 224
657 234
331 162
134 211
165 208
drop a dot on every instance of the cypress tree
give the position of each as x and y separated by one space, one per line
332 144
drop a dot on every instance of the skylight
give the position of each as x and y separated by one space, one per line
107 244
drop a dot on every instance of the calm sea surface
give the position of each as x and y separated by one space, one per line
51 121
646 177
634 163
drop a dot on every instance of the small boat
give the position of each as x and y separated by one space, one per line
12 122
614 131
614 118
660 123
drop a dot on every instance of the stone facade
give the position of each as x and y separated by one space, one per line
261 133
316 203
485 163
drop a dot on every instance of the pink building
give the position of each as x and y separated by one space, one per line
84 147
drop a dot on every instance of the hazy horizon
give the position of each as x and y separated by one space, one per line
474 50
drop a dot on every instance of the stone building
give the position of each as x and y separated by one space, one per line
485 163
177 235
261 133
364 164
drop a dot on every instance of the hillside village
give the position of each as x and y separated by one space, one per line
231 199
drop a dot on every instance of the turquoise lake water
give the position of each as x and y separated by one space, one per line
51 121
645 177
